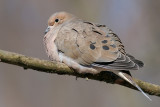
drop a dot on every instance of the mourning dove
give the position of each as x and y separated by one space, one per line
88 47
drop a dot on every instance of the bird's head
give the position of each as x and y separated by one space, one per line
57 19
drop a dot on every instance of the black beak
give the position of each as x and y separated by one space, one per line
47 30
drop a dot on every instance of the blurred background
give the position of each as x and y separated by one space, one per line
22 26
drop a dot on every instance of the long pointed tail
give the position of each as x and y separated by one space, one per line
129 79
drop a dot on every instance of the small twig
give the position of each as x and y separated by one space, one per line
62 69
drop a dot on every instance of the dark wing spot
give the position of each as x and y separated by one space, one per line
114 46
88 23
59 51
97 32
104 41
105 47
101 25
92 46
75 30
77 45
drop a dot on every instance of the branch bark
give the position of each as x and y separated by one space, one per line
61 69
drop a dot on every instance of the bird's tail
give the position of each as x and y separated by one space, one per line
129 79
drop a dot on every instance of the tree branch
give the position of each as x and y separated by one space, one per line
61 69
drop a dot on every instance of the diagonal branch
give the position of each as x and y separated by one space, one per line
61 69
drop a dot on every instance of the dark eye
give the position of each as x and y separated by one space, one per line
56 20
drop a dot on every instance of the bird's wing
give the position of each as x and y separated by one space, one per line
93 44
124 61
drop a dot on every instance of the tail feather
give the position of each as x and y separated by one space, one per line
129 79
138 62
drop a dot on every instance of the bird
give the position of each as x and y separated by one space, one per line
88 47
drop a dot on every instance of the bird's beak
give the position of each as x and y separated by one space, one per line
47 30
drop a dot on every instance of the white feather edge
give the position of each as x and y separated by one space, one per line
133 83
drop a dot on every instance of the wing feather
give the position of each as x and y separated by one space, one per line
121 63
95 45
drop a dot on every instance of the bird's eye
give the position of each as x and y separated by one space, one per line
56 20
